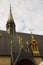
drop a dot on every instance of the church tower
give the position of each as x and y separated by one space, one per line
10 26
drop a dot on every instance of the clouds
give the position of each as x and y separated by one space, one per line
27 14
3 13
31 11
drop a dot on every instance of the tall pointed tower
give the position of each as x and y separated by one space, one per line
10 26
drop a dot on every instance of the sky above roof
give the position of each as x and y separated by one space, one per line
27 14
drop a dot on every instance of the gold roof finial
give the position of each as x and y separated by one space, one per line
31 34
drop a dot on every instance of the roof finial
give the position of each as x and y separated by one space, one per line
31 33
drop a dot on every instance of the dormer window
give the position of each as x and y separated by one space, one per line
34 45
33 41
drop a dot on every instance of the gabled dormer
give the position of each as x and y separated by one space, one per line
34 45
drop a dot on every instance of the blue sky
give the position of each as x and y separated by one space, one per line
27 14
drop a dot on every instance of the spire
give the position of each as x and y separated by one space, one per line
10 19
10 26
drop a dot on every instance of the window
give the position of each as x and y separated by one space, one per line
34 47
33 41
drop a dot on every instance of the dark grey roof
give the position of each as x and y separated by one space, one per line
24 55
5 42
27 37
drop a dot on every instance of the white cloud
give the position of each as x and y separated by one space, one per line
27 14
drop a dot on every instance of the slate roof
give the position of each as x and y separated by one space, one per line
39 39
24 55
5 42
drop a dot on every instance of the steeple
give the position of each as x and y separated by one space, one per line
10 19
10 26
